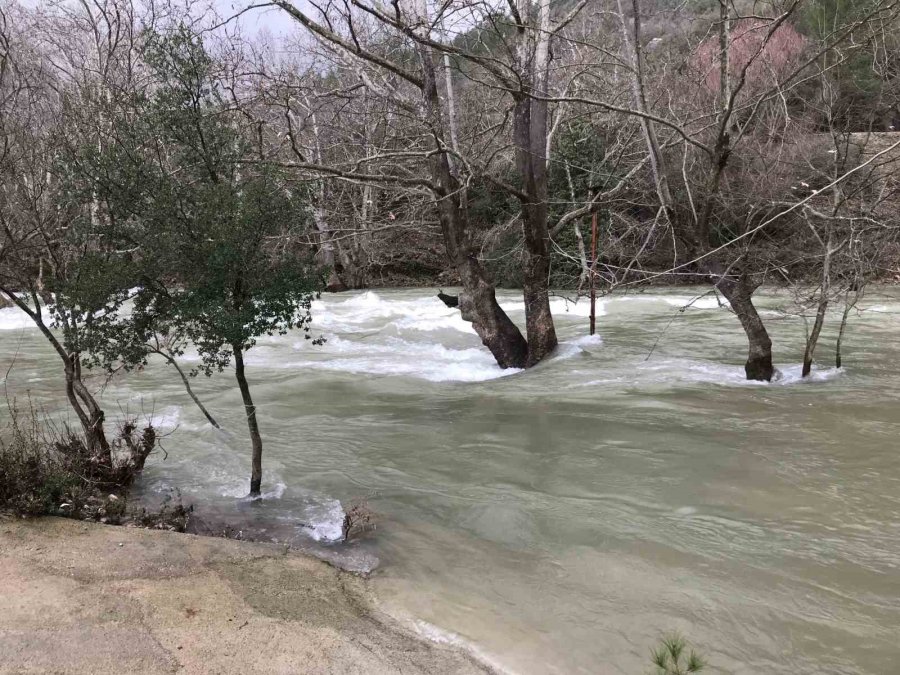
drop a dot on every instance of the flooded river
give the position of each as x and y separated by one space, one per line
560 520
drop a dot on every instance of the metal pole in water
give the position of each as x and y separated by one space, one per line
593 268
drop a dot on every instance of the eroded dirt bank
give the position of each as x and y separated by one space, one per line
84 598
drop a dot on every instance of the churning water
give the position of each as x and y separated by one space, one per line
559 520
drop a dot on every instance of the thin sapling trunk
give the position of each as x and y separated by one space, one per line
252 424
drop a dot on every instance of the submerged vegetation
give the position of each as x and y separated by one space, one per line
49 471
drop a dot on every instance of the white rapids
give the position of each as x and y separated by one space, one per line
560 519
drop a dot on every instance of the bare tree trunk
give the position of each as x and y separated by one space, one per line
326 252
701 238
579 237
635 54
478 302
530 115
759 358
530 133
326 255
838 363
451 110
848 306
252 425
585 274
813 338
96 436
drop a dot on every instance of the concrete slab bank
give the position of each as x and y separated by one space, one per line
86 598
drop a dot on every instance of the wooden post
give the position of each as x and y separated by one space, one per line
593 271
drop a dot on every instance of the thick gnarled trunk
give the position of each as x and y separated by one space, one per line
530 133
739 293
530 118
478 302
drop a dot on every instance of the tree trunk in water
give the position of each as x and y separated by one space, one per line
840 338
813 338
478 302
759 359
530 132
478 305
252 425
88 411
530 117
823 306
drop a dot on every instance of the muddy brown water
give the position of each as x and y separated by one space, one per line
560 520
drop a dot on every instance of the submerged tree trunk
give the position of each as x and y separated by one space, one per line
759 358
838 363
857 288
530 132
478 302
825 289
530 117
252 425
813 338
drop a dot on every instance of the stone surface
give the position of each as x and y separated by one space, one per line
85 598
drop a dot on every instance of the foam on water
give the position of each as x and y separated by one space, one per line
560 307
239 488
327 520
594 340
426 313
166 419
702 302
367 310
13 318
394 345
435 364
441 636
683 370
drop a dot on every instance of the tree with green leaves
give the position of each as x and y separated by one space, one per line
204 224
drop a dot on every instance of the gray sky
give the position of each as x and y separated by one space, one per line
271 19
275 20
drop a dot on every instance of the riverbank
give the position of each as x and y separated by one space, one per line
79 597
